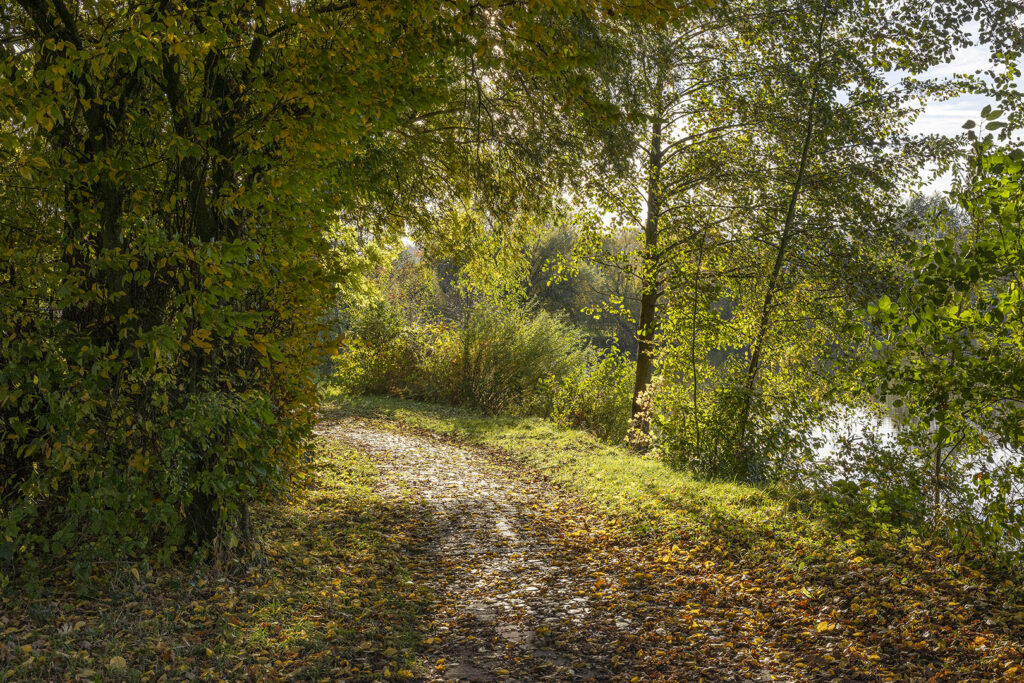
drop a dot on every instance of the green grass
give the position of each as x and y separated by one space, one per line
817 581
791 530
330 596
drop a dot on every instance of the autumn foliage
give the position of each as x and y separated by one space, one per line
178 188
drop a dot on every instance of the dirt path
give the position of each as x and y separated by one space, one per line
518 596
417 559
530 584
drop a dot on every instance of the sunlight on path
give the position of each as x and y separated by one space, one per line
508 608
530 583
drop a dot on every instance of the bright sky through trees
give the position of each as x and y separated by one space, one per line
948 117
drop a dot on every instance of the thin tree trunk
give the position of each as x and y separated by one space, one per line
773 282
649 296
693 336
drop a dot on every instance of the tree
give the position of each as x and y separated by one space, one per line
674 85
813 192
951 343
179 187
770 154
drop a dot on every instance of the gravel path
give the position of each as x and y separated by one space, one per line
530 584
515 586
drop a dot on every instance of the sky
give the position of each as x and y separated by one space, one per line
948 118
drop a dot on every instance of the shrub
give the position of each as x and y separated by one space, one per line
380 354
493 359
596 396
871 478
497 357
153 435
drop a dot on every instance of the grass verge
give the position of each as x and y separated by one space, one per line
742 524
649 496
331 598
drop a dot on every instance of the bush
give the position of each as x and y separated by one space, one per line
495 358
871 478
153 435
596 396
379 354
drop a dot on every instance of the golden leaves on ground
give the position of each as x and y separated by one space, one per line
694 601
329 599
410 558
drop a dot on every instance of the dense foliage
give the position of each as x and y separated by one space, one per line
951 346
493 358
678 224
184 189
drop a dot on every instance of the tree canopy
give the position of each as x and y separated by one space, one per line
200 200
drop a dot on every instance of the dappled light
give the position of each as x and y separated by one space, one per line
511 340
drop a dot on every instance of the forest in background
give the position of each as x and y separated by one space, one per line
690 227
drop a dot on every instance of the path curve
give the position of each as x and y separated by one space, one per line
514 585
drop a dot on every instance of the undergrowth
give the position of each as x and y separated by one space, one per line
330 597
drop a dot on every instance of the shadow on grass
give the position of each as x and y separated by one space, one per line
333 596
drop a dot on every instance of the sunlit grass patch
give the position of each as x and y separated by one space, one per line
804 589
791 529
646 493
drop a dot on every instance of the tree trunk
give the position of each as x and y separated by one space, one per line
754 365
649 272
693 337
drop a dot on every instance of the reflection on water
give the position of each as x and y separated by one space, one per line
857 449
854 426
886 427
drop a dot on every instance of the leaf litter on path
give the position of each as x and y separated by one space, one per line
406 556
532 584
